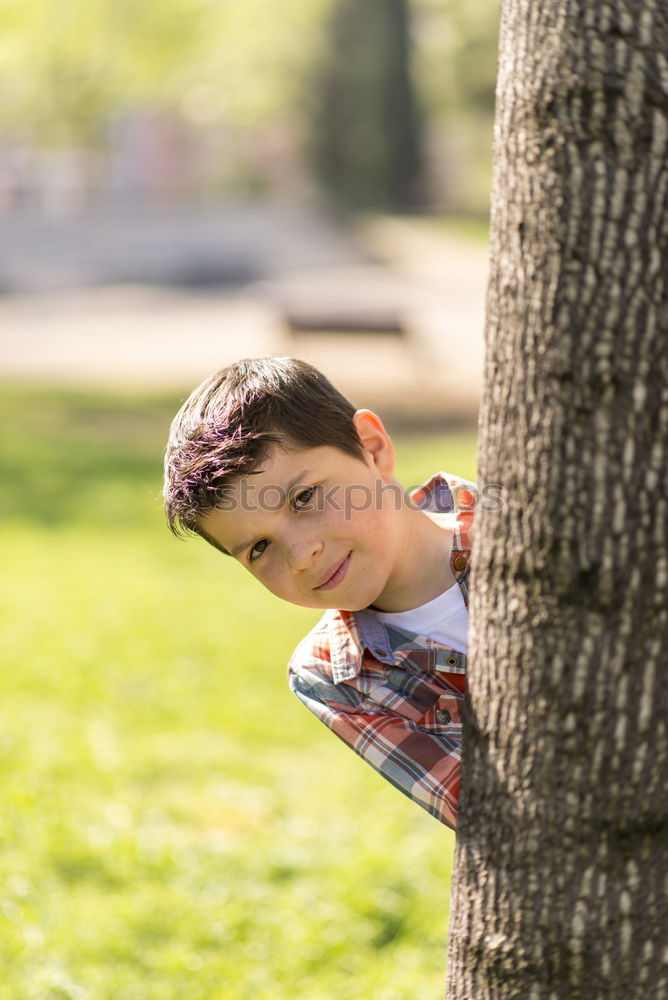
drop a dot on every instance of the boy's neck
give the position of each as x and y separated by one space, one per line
423 569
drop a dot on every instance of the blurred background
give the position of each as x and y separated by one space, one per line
183 183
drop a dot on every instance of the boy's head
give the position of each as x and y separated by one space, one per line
269 463
228 424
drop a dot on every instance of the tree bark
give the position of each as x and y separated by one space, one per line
560 887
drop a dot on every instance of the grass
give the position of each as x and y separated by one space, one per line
175 826
468 228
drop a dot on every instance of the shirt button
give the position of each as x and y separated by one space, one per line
460 561
452 661
381 653
443 716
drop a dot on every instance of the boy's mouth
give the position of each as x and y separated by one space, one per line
335 574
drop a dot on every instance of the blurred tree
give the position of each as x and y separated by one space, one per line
559 890
365 140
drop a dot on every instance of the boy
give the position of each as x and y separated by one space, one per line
270 464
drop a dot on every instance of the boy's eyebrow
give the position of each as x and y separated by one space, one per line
288 489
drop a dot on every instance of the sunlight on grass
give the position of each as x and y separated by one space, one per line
473 229
175 824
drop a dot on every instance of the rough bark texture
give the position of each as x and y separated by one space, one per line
561 875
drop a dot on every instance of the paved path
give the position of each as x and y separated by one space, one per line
166 336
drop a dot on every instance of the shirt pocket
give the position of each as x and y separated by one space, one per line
402 694
446 713
416 700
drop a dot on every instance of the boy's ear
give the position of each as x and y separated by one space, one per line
376 441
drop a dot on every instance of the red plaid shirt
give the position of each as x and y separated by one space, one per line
393 696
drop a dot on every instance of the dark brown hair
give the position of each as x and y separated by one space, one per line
225 427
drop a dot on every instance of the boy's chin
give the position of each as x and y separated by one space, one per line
347 607
352 605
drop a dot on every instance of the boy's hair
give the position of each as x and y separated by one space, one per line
225 427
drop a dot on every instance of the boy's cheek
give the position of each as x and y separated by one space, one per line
275 582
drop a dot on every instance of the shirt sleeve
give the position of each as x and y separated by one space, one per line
421 759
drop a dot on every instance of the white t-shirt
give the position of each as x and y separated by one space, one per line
445 619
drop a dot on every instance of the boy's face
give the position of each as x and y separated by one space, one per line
317 527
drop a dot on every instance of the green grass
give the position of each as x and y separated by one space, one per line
469 228
175 825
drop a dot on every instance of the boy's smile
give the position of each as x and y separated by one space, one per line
322 529
334 578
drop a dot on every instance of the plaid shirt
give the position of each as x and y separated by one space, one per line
393 696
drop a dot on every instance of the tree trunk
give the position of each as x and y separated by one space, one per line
560 889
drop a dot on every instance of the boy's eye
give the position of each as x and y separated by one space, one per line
257 550
304 498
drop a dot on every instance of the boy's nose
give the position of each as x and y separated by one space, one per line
302 553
